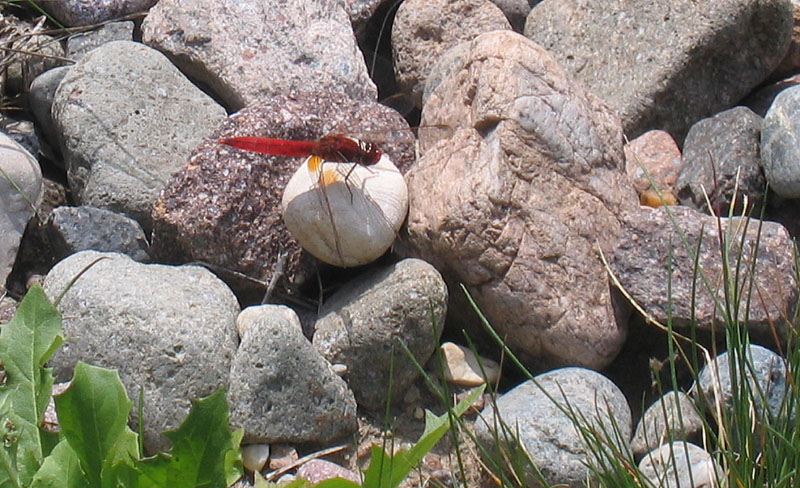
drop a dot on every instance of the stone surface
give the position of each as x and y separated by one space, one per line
653 158
672 417
281 389
73 13
462 367
516 11
424 29
317 470
780 152
127 119
657 250
517 201
721 161
75 229
363 324
42 91
224 207
167 330
766 381
790 64
668 467
761 100
20 190
547 432
243 50
31 53
665 65
81 43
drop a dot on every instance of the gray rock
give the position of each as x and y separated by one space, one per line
761 100
169 330
657 251
74 13
527 187
127 120
20 191
363 325
424 29
516 11
244 50
780 153
668 467
282 390
672 417
665 65
721 154
40 98
548 433
766 381
75 229
81 43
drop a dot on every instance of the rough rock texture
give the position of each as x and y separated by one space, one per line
245 49
652 255
791 62
670 418
73 13
516 203
665 65
169 330
224 206
722 156
20 190
547 432
424 29
75 229
81 43
42 90
127 119
780 153
281 389
362 326
653 158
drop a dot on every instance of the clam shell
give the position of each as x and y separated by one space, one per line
346 223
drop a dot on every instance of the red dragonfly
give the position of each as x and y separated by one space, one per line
368 212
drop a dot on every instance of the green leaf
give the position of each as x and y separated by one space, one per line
386 471
200 448
93 414
61 469
26 343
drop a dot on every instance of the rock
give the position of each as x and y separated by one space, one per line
167 330
663 465
317 470
451 60
20 192
244 50
521 197
8 307
363 324
282 455
790 64
127 120
281 389
672 417
547 433
721 160
22 132
73 13
255 456
780 153
664 65
657 251
75 229
40 98
653 158
224 207
766 382
82 42
462 367
761 100
33 53
424 29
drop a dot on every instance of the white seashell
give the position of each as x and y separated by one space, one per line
347 224
255 456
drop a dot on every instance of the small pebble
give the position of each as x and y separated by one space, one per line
255 456
462 367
